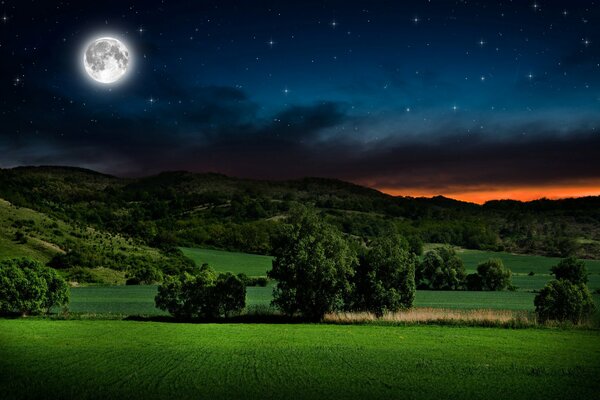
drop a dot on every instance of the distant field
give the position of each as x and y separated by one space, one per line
226 261
521 265
142 360
139 300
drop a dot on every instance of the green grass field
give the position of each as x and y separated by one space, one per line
521 265
227 261
139 300
142 360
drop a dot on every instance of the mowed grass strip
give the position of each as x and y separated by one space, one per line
143 360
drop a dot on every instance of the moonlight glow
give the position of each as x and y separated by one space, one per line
106 60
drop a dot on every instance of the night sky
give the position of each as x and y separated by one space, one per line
469 99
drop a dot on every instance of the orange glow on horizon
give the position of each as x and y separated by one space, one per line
480 196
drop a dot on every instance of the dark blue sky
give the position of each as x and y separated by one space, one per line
414 97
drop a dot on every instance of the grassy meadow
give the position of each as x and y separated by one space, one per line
521 265
142 360
227 261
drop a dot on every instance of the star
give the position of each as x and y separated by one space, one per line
416 20
151 100
586 42
333 24
286 91
271 43
4 18
141 30
482 78
481 42
454 108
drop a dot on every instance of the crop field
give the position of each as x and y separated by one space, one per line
139 300
142 360
227 261
521 265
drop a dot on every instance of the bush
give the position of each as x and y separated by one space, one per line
562 300
145 275
312 267
572 270
81 275
204 295
261 281
491 275
441 269
385 277
27 287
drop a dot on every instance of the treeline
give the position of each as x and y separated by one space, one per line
185 209
319 270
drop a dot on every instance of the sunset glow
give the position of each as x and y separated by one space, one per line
480 196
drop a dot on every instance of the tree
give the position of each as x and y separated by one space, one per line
385 277
204 295
27 287
441 269
571 269
312 266
491 275
562 300
230 294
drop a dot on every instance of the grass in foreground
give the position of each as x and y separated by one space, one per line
141 360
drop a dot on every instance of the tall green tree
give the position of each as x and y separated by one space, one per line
441 269
312 266
27 287
562 300
385 277
571 269
491 275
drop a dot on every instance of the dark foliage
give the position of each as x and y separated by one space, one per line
312 267
441 269
27 287
203 295
385 277
491 275
562 300
572 270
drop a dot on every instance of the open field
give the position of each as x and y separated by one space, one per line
521 265
140 360
139 300
227 261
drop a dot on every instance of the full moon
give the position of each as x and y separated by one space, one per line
106 60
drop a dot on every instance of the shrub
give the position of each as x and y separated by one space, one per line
312 267
441 269
27 287
562 300
491 275
253 280
204 295
385 277
571 269
81 275
145 275
20 237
